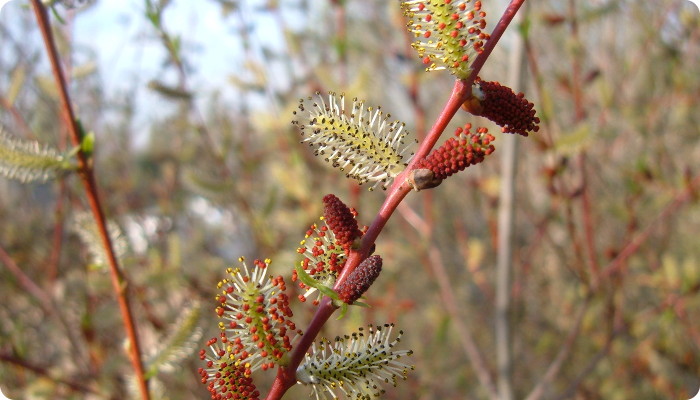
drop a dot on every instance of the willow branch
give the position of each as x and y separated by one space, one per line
503 23
286 376
87 178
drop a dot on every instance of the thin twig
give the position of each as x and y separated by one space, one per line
592 363
587 215
435 262
75 386
506 228
496 34
58 231
26 282
638 240
88 179
564 352
47 304
579 115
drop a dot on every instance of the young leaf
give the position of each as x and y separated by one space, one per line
16 83
308 280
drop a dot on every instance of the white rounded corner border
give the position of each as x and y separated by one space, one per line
697 395
2 396
2 4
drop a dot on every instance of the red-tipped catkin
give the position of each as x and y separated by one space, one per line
341 220
459 152
513 112
225 379
360 279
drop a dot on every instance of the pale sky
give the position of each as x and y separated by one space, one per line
130 55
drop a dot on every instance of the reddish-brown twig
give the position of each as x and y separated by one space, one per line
87 177
74 386
498 31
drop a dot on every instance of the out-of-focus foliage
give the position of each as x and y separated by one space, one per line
607 196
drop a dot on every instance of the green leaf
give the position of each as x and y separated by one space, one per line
84 70
327 291
343 310
169 91
176 46
524 28
308 280
304 277
16 83
361 304
344 307
57 15
88 143
152 13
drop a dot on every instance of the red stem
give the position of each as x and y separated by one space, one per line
286 376
88 179
503 23
588 223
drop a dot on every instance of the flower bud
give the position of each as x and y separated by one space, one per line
513 112
456 154
341 220
360 279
